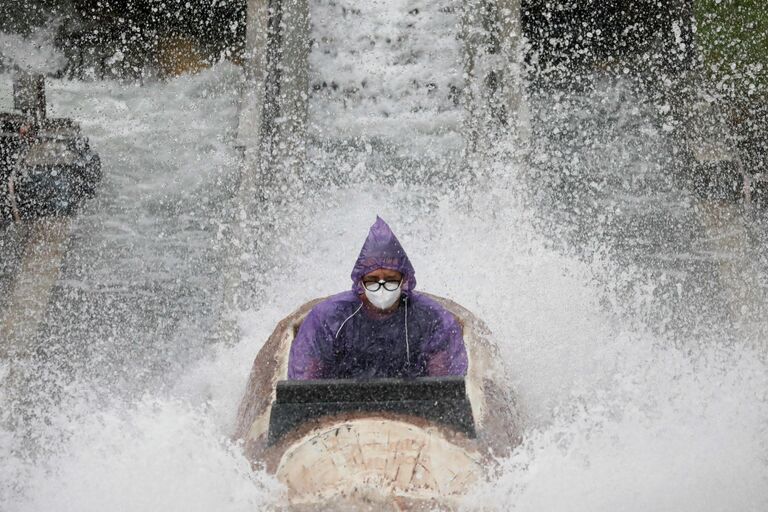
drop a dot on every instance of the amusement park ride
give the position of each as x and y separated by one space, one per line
47 167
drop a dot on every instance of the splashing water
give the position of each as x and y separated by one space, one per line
131 406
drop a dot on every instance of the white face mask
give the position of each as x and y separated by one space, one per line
383 299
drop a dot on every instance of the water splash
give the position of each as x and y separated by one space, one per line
618 415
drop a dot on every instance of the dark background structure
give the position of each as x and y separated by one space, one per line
717 46
133 38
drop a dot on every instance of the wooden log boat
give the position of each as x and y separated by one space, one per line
382 458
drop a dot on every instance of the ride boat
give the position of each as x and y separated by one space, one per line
47 167
403 443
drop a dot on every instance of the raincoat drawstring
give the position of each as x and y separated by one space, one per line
345 320
407 345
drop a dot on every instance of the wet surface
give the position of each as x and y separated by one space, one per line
139 309
610 173
11 250
141 289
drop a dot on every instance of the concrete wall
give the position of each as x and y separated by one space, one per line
273 107
492 36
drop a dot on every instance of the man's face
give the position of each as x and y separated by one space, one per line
383 299
382 274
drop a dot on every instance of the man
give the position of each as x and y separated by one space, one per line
381 327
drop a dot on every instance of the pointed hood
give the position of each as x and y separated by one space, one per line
382 249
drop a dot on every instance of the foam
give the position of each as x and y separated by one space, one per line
616 415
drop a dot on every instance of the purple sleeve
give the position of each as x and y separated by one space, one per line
305 360
445 350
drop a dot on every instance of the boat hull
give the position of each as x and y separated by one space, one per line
380 458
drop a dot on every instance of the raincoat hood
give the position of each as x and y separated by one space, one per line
382 249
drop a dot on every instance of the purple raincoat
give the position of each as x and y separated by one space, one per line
339 339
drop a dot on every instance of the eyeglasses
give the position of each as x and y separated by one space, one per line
374 286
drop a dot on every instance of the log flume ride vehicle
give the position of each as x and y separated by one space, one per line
378 443
47 167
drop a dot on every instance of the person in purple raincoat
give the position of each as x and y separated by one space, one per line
381 327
